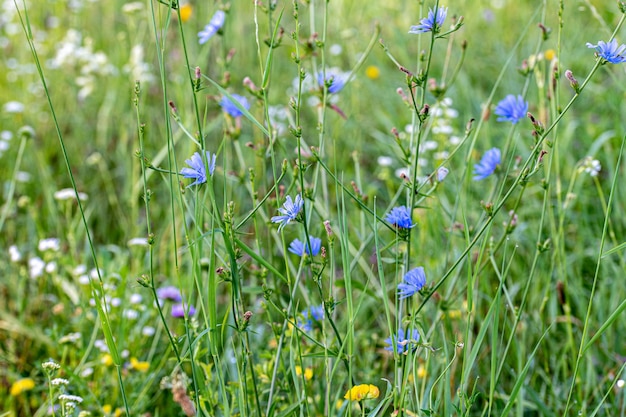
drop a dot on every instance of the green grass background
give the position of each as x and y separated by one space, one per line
101 136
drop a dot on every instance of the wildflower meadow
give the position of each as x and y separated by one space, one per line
274 208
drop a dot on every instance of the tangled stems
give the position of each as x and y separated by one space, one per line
518 180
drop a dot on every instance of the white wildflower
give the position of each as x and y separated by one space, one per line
70 338
13 107
59 381
69 194
591 166
138 241
72 398
51 267
384 161
36 267
14 254
51 244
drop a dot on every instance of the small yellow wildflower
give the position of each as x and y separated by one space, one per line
372 72
362 392
549 54
454 314
140 366
119 412
22 385
107 360
308 372
106 409
421 371
185 12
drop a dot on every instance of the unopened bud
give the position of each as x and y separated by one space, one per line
247 316
572 80
329 230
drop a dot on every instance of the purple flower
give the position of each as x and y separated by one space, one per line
400 217
298 248
610 52
335 79
487 165
399 342
414 280
198 169
432 23
231 108
216 23
289 211
314 313
512 109
178 311
169 293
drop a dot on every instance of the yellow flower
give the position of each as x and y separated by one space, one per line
107 360
185 12
22 385
362 392
454 314
139 366
421 371
372 72
119 412
308 372
107 408
549 54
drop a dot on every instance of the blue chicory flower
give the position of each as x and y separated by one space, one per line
336 79
414 280
198 169
512 109
178 311
400 217
289 211
399 342
432 23
169 292
442 173
310 314
229 107
611 52
487 165
300 248
216 23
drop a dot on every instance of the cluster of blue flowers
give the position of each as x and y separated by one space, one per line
511 109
